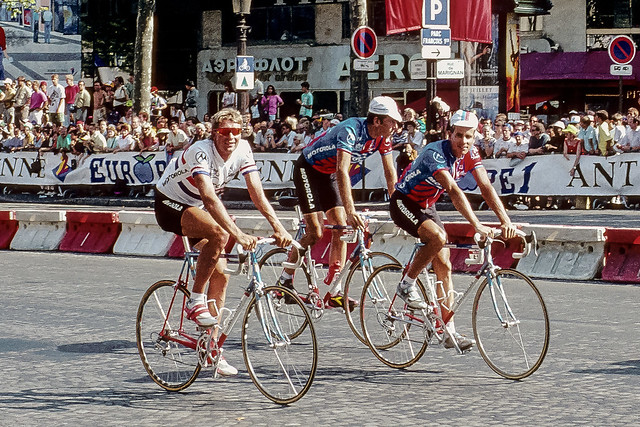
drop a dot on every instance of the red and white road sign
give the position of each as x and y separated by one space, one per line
622 50
364 42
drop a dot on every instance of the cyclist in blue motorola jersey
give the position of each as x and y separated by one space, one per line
323 184
438 169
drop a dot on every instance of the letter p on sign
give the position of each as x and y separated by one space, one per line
435 14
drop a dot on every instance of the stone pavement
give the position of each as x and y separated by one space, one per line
68 357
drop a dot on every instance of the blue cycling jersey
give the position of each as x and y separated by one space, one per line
351 136
418 181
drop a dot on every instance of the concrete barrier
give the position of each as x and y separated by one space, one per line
90 232
39 230
141 235
8 228
573 253
622 255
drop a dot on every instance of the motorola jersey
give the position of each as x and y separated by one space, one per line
351 136
418 181
177 181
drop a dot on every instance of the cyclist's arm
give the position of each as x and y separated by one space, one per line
254 185
490 195
390 174
344 187
216 209
459 200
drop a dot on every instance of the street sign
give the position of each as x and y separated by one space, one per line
244 72
435 37
364 65
436 52
622 50
621 70
435 13
450 69
364 42
418 69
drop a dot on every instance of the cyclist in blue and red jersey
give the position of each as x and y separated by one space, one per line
323 184
412 207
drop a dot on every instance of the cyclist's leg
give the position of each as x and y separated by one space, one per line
442 268
313 233
338 248
433 238
198 223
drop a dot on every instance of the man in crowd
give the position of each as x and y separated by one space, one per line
56 95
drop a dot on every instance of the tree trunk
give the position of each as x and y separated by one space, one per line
359 91
142 63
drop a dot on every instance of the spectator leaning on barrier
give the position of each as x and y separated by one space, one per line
518 149
124 141
572 145
604 132
587 134
502 144
618 128
538 139
631 140
556 137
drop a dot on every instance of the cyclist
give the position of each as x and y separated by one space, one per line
438 169
322 181
187 203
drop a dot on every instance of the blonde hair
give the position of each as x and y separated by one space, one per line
226 114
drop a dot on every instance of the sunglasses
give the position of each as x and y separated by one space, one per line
229 131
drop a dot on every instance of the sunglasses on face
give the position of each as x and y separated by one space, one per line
229 131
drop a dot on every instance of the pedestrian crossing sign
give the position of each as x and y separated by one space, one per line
244 72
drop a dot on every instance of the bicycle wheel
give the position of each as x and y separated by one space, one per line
510 324
270 270
394 333
354 283
280 366
166 347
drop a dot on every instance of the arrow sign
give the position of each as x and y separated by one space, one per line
442 52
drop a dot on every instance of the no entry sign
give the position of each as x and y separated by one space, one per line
364 42
622 50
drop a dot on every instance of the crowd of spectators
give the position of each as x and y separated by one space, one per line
47 116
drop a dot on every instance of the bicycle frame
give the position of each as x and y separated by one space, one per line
254 288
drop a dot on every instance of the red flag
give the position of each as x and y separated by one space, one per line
470 19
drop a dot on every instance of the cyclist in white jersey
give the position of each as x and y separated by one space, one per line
187 203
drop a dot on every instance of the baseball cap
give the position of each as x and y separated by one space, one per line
465 119
335 122
574 120
559 124
518 133
385 106
8 81
154 89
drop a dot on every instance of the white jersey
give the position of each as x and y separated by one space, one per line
177 181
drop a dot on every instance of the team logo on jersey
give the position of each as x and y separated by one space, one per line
201 157
438 157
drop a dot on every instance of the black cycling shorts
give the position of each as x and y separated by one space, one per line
316 191
408 214
169 213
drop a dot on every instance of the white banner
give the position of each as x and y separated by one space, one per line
535 175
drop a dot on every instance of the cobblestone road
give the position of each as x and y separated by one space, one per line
68 357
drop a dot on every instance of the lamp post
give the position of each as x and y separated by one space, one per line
241 8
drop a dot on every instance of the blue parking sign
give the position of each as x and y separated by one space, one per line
435 14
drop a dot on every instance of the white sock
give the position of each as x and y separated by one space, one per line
407 282
286 276
451 327
198 298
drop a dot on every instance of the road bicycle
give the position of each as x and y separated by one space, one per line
174 350
509 317
361 263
